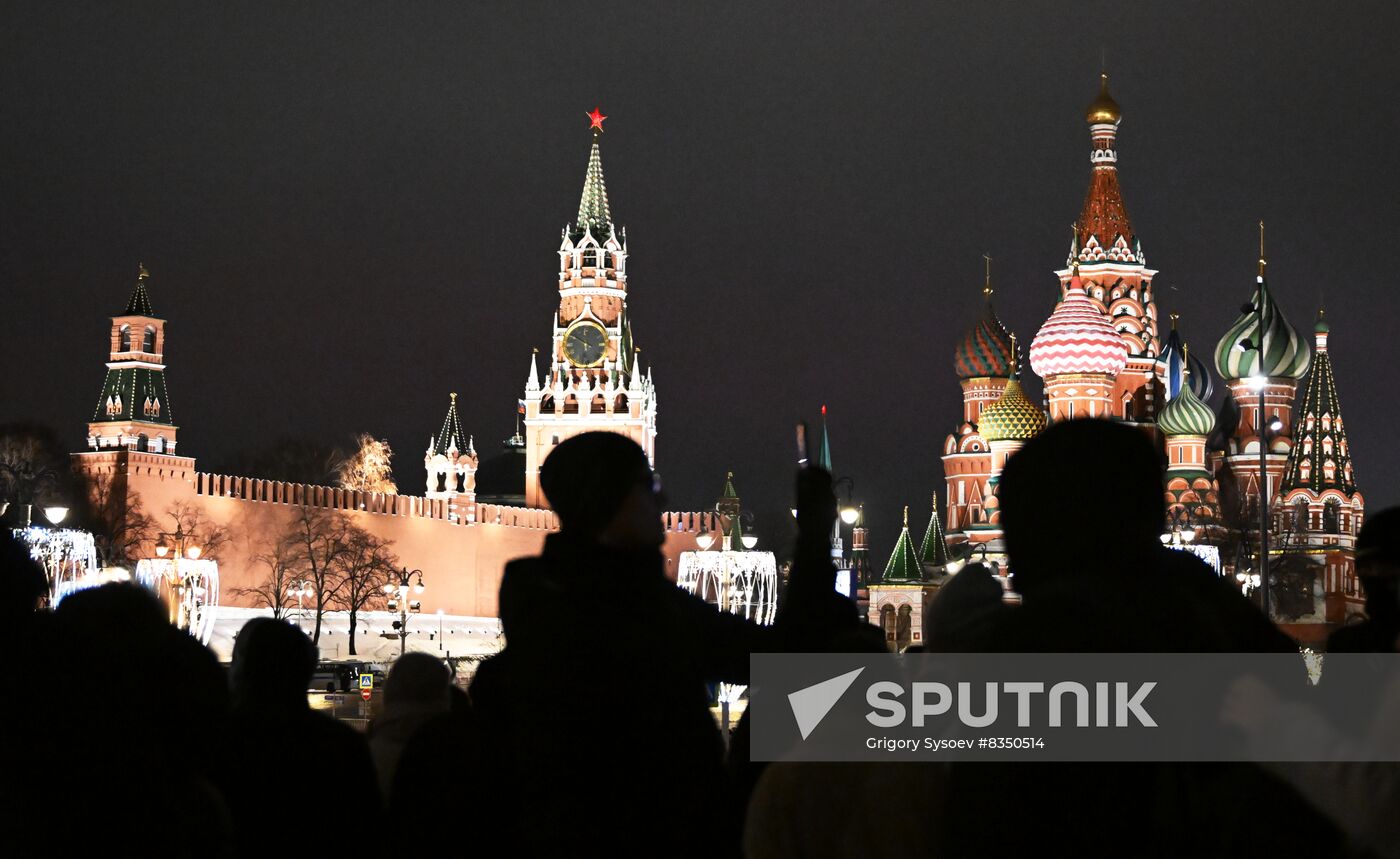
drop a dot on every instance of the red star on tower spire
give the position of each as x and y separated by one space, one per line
596 119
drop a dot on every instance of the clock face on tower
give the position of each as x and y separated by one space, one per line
585 343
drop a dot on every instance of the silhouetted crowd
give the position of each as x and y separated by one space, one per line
591 732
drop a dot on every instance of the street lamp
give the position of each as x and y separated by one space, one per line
184 583
300 588
1266 428
404 578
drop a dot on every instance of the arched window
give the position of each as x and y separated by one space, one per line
1331 516
904 632
148 342
887 623
124 343
1300 514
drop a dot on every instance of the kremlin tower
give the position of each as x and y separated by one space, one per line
133 410
593 378
451 464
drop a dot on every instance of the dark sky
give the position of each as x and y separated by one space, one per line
350 210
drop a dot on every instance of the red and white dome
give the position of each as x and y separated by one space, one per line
1078 338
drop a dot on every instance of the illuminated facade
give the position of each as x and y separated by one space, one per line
592 380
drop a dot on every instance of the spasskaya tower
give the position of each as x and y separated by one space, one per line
592 377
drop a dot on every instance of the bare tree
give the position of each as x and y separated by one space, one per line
117 519
278 554
33 464
200 530
317 539
364 566
368 469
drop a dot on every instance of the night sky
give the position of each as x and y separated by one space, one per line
349 210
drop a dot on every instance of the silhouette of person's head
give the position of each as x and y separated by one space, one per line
272 666
124 622
962 608
22 581
603 489
1378 563
418 680
1085 497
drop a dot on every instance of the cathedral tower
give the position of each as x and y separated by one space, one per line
983 361
133 410
1270 358
1081 356
592 377
1113 268
1319 487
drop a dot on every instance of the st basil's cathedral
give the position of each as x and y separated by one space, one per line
1103 353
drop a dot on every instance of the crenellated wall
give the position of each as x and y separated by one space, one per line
462 560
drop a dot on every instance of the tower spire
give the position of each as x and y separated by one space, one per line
1263 261
594 215
987 284
824 454
140 303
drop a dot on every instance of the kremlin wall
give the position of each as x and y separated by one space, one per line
1102 353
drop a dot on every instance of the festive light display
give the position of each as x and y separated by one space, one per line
742 583
68 556
189 587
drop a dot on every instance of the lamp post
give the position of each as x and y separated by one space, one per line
300 588
181 543
1260 383
404 578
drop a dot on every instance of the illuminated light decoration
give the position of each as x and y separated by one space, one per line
189 588
744 583
67 556
595 119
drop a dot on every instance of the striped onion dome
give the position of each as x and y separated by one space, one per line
1078 338
1012 417
1286 353
985 350
1186 415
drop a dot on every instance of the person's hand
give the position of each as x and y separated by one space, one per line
816 505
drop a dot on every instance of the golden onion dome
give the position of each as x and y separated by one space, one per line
1103 108
1012 417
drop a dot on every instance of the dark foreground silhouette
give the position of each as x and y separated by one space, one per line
590 732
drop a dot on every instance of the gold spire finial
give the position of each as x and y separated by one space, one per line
1015 356
1263 261
987 284
906 515
1103 109
453 395
1175 317
141 273
1185 361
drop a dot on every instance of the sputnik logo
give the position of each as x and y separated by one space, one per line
810 705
